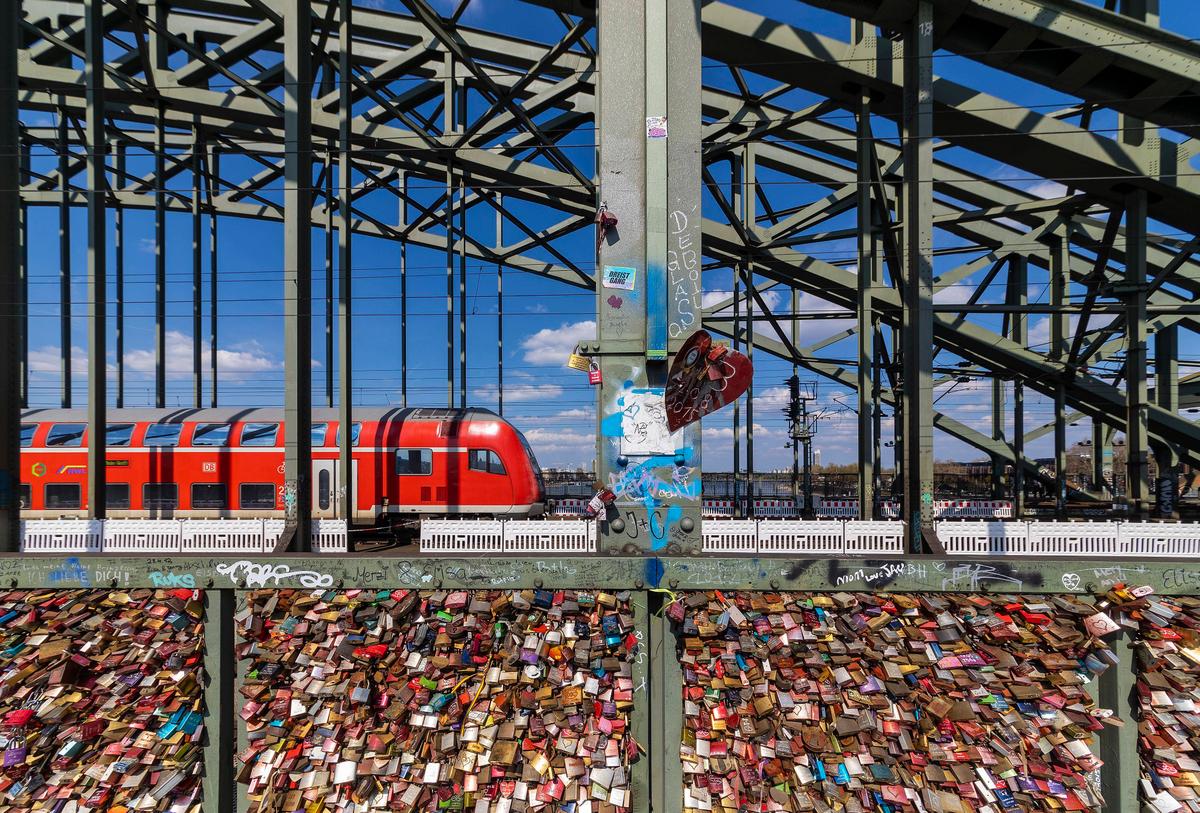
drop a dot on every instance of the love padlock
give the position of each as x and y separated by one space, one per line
594 374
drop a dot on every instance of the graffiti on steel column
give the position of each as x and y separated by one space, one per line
683 270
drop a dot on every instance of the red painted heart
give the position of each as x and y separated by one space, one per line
704 377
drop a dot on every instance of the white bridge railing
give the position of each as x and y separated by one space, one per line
216 536
820 537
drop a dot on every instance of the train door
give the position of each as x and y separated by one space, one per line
326 488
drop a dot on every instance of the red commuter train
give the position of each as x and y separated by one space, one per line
228 462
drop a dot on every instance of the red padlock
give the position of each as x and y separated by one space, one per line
594 373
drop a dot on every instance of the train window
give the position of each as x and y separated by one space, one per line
118 434
163 434
208 495
355 430
62 495
323 489
318 433
256 495
211 434
116 495
414 461
160 495
485 460
259 434
66 434
27 430
26 495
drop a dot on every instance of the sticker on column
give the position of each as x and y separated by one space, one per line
619 276
656 126
644 428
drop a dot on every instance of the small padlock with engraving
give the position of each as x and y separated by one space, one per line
14 753
594 374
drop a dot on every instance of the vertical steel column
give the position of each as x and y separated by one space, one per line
214 172
751 490
462 288
22 315
119 270
97 254
297 271
797 502
918 273
219 693
1137 490
159 52
12 326
160 258
681 69
650 181
1018 294
403 180
735 204
329 274
749 216
998 461
197 271
346 488
499 305
23 270
64 257
1099 438
1166 389
1119 746
449 209
1060 270
866 313
449 109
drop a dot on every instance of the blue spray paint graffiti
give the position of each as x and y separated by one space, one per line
71 571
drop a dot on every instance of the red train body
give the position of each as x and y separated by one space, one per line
228 462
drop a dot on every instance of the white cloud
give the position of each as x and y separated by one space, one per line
45 360
248 357
520 392
553 345
1047 190
955 294
146 245
771 298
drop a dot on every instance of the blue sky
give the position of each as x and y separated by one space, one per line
543 320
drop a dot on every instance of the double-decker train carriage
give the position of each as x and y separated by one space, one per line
228 462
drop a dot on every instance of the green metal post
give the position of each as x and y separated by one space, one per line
648 179
867 404
1166 390
97 255
346 489
1119 746
1060 275
1018 294
220 699
918 278
12 325
1137 491
297 273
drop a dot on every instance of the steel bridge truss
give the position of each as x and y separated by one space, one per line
297 112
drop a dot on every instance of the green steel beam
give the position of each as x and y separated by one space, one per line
297 276
1073 47
917 285
12 324
97 256
1179 576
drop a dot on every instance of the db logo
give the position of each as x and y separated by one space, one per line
38 469
210 467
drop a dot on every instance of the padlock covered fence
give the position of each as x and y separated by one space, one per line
599 685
